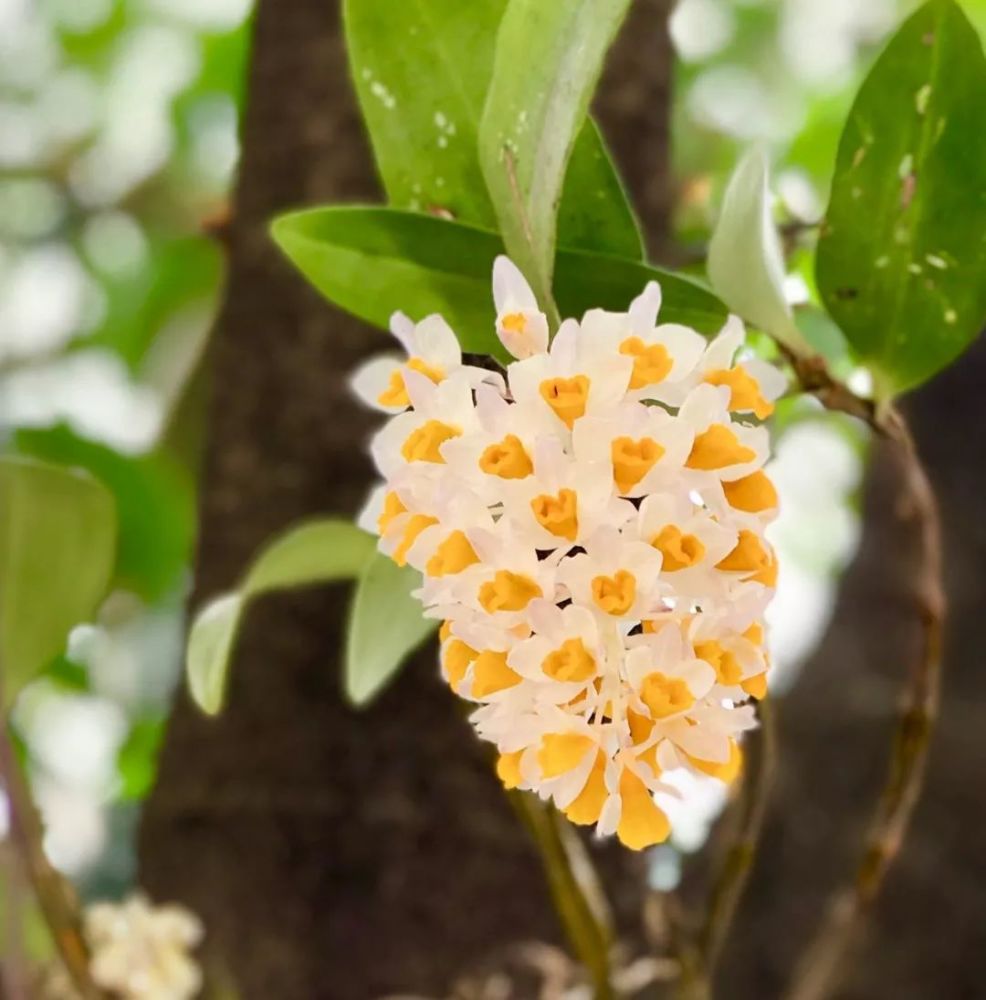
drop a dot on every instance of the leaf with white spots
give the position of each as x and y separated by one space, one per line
421 69
901 262
319 551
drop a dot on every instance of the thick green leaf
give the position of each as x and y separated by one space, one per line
902 257
385 626
317 552
548 59
746 265
421 70
57 535
373 261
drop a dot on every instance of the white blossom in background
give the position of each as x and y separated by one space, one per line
590 531
143 952
90 390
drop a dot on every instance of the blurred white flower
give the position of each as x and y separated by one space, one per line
92 392
142 952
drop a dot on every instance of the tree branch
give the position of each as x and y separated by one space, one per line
818 972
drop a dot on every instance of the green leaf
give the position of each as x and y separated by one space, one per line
155 505
210 645
746 265
57 535
548 60
317 552
421 70
901 260
385 626
373 261
137 759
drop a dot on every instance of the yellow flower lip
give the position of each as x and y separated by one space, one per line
633 459
651 362
515 322
560 752
570 662
424 444
396 392
665 696
507 459
567 397
716 448
558 514
744 391
452 556
752 494
508 591
680 551
753 557
490 674
615 594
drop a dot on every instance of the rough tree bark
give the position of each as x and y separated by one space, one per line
335 854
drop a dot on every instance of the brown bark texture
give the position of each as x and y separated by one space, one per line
332 853
926 937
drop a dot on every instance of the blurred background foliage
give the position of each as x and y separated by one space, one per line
118 145
118 142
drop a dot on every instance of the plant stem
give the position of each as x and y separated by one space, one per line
741 848
574 887
692 982
55 897
818 973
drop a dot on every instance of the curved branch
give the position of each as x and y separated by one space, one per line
818 973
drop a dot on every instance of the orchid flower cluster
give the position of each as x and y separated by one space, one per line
590 529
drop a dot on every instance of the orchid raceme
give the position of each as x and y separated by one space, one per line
590 530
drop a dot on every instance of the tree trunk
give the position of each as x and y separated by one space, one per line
330 853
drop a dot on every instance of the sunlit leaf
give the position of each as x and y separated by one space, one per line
746 265
902 258
548 60
210 645
421 71
57 536
385 626
373 261
317 552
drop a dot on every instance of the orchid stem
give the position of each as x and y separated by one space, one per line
574 886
